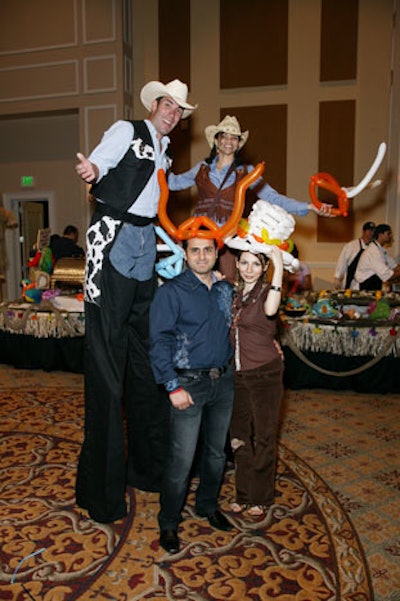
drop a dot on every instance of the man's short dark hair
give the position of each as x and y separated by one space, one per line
381 229
70 229
185 242
369 225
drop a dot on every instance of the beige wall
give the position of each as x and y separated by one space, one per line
96 63
371 91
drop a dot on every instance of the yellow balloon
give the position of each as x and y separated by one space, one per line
267 239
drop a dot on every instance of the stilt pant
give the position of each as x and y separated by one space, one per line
119 385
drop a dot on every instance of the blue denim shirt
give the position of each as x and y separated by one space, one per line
133 253
189 327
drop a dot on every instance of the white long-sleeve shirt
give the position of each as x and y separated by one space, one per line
348 253
374 261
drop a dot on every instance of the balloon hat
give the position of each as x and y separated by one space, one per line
267 226
202 226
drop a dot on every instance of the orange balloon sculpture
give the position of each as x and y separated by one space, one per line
326 181
192 227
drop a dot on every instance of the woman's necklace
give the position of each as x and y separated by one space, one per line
243 299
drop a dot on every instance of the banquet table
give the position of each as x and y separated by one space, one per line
48 336
361 355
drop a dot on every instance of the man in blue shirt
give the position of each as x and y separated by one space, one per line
120 284
190 353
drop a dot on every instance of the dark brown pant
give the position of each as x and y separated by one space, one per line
254 432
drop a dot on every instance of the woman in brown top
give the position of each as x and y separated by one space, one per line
258 381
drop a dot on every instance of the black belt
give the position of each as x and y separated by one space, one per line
213 372
108 211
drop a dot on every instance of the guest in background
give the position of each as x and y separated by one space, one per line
375 266
300 281
350 256
258 381
67 244
217 176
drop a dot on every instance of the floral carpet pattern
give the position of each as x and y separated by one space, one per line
332 534
352 440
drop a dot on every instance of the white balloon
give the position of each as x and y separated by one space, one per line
354 190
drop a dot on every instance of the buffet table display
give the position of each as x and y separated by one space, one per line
48 335
57 318
342 340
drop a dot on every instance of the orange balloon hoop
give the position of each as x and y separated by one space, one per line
202 226
327 182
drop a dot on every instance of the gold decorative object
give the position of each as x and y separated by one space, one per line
68 270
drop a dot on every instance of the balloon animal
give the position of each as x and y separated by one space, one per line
327 182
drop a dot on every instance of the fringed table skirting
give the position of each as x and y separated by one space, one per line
41 321
349 341
363 357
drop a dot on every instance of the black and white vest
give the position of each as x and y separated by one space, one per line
123 184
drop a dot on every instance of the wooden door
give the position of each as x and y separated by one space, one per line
32 219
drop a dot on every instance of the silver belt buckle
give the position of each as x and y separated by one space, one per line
214 373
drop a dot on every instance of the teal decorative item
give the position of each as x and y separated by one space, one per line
324 307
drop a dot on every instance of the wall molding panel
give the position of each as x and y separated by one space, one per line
128 75
43 80
100 74
127 22
99 21
96 120
46 34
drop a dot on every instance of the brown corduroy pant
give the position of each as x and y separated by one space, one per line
254 432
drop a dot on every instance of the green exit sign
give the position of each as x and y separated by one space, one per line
27 181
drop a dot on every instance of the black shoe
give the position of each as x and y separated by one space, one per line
169 540
218 520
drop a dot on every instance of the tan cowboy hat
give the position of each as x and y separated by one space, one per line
176 89
228 125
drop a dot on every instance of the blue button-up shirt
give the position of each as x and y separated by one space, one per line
189 327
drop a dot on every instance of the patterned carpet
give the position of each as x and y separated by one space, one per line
332 534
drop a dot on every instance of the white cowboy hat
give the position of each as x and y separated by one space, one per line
228 125
176 89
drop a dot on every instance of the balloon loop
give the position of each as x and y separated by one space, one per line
327 182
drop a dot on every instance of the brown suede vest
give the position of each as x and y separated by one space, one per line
216 204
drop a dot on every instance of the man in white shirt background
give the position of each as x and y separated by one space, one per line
350 256
375 266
